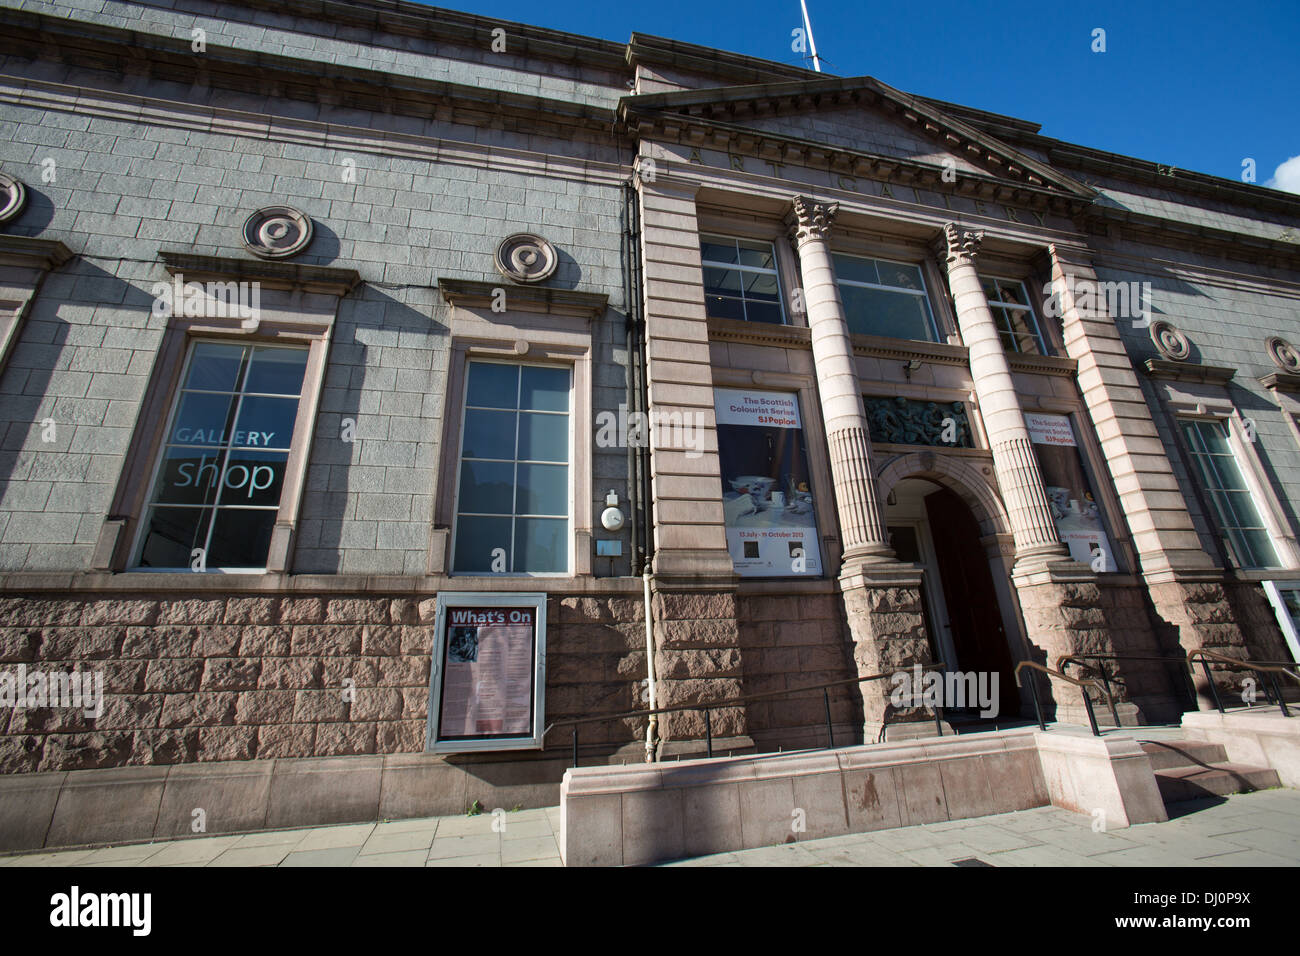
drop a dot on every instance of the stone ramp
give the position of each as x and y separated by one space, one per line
1191 770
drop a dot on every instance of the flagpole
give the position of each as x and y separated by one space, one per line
811 42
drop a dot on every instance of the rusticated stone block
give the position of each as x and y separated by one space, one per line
400 736
227 743
124 677
52 720
316 706
694 606
429 611
572 668
336 740
404 611
584 610
164 747
630 666
415 702
299 610
164 641
357 611
627 610
81 643
21 754
682 634
192 611
381 641
219 641
173 676
363 672
116 611
286 740
19 644
293 673
130 712
86 751
40 612
415 640
707 664
377 703
327 639
230 673
262 640
265 707
403 671
252 610
199 710
828 657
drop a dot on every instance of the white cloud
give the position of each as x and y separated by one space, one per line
1287 176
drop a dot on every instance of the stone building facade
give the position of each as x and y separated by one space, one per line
991 397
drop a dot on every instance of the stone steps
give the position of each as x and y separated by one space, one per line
1190 770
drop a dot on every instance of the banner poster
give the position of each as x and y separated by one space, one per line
488 672
766 489
1069 493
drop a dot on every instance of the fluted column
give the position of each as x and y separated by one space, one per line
1013 453
861 521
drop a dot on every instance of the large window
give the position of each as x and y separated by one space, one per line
513 500
216 489
884 298
1239 521
740 280
1013 315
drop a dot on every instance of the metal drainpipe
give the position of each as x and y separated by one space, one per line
652 726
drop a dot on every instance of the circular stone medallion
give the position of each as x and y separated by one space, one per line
1170 341
1284 354
277 232
13 196
524 257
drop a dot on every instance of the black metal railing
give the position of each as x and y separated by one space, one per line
1097 664
1085 684
1269 669
708 706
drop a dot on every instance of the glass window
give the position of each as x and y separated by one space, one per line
1014 316
216 490
740 280
512 506
884 298
1239 522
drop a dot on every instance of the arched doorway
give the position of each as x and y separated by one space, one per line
933 527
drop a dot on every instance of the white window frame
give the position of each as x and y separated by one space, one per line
923 294
460 455
1016 307
738 266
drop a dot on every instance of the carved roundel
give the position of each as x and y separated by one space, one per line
524 257
1170 341
277 232
13 196
1284 355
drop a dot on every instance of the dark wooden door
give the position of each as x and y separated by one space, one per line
977 632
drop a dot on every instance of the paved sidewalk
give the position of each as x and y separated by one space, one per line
1257 829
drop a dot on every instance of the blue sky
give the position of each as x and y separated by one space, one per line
1197 84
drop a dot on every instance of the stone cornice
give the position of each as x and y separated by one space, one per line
646 48
466 293
759 333
1281 382
168 59
289 276
32 253
733 105
1189 372
1128 225
1042 364
940 353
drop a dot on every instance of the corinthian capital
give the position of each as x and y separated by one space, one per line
962 246
811 219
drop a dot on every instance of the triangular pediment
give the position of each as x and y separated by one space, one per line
843 121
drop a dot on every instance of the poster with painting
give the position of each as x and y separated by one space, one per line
1069 493
767 498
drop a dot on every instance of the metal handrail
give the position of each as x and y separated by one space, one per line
1259 667
1087 701
730 702
1082 660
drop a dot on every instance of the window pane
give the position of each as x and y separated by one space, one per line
265 422
855 269
721 281
720 307
487 487
903 276
188 476
543 437
476 539
893 314
1257 548
715 249
757 254
492 385
215 367
763 312
543 490
544 389
760 286
489 434
202 418
278 371
1012 292
171 535
240 538
253 477
541 544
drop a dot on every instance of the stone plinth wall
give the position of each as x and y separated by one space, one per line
793 640
202 678
888 628
698 657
